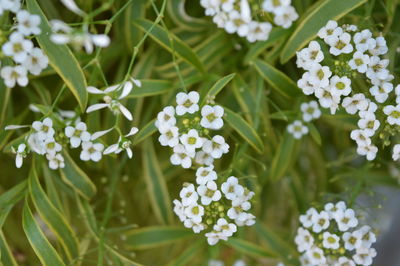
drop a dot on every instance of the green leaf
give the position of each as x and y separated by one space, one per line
283 157
52 217
315 134
277 79
76 178
155 236
244 129
7 257
150 88
159 35
249 249
178 14
309 25
145 132
156 185
188 254
44 250
216 88
61 58
13 195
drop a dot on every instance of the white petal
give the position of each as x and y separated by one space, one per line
94 90
129 152
125 112
112 88
18 161
96 106
111 149
133 131
137 82
75 142
100 40
70 4
98 134
126 90
11 127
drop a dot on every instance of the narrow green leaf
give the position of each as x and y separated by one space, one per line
313 21
76 178
277 79
42 247
315 134
156 186
13 195
244 129
7 257
182 50
52 217
188 254
61 58
216 88
249 249
178 14
150 88
155 236
145 132
283 157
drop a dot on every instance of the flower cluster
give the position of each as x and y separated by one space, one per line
45 139
329 237
310 111
356 54
218 211
237 16
182 129
26 58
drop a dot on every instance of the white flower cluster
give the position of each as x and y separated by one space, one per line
330 83
26 58
310 111
182 129
218 211
44 139
236 16
330 237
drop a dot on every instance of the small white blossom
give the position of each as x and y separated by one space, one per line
17 47
181 156
209 193
192 140
297 129
359 62
36 61
310 111
212 117
14 75
330 241
393 114
56 161
77 134
91 151
28 23
216 147
21 153
187 103
231 188
205 174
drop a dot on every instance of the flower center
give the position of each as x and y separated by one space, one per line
192 140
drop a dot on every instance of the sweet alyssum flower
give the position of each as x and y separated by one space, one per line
237 16
187 132
332 83
330 237
217 210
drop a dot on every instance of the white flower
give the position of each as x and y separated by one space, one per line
213 238
316 256
238 207
203 158
122 144
328 99
44 129
205 174
320 221
397 91
364 256
306 219
310 111
305 85
351 241
377 69
212 117
343 261
284 16
169 135
360 137
36 144
380 47
364 41
369 151
396 152
181 156
345 219
36 61
328 30
272 5
359 61
71 5
226 229
192 140
334 209
231 188
188 195
258 31
179 210
304 240
196 227
195 212
21 153
28 23
340 85
166 116
211 7
216 147
17 47
356 103
330 241
91 151
187 103
340 44
369 124
209 193
245 218
237 23
297 129
310 55
51 146
381 92
365 237
56 161
393 114
319 75
77 134
14 75
12 5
